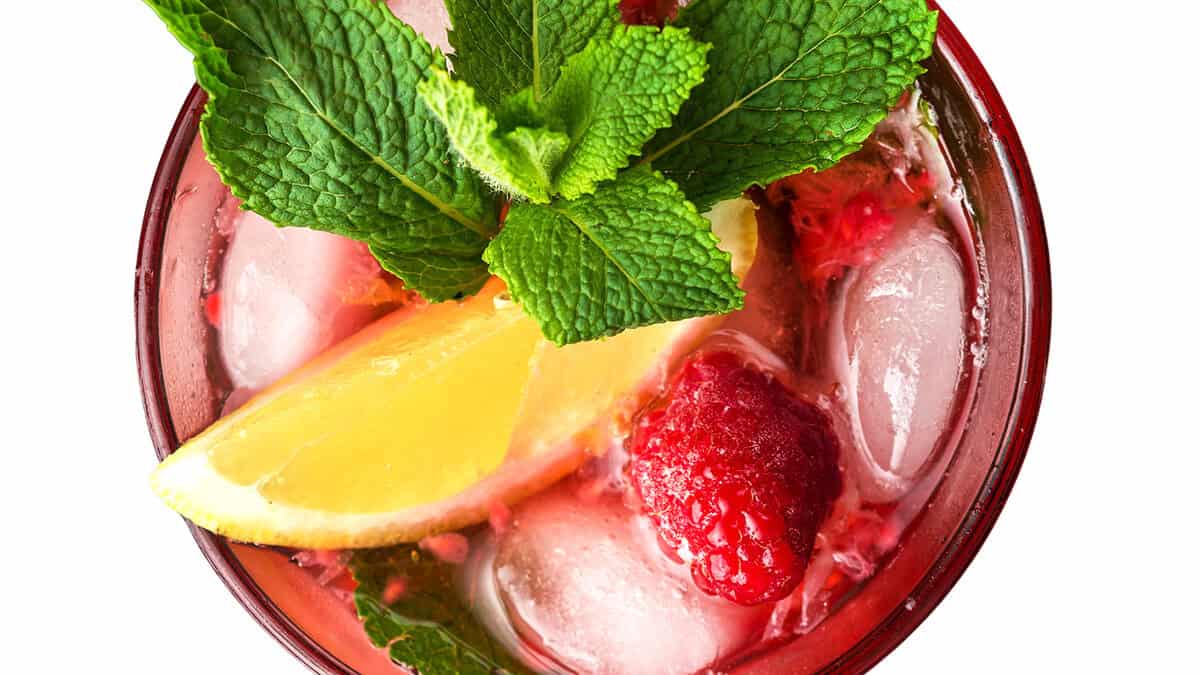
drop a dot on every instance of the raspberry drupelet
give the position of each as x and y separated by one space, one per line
648 12
737 476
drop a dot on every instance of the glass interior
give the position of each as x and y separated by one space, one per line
183 396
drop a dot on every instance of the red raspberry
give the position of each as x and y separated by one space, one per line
648 12
842 216
737 476
829 241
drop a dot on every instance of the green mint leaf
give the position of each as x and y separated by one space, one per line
313 120
504 46
428 628
609 100
517 162
792 85
634 253
613 96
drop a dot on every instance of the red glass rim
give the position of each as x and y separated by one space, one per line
945 571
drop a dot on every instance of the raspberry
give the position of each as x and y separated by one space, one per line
737 476
842 216
829 241
648 12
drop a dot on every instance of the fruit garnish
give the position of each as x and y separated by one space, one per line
737 475
345 120
829 241
420 423
842 217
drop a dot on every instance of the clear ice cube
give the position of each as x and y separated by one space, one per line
284 297
904 335
584 578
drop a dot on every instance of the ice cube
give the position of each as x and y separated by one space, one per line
284 297
584 578
427 17
904 335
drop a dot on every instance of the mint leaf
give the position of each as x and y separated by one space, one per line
613 96
517 162
504 46
428 627
633 254
792 85
313 120
610 99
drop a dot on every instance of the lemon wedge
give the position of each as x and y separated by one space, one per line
423 420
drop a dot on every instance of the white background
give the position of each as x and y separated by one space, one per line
1092 567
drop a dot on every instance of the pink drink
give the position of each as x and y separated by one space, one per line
888 338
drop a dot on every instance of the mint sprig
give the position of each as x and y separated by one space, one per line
334 115
312 121
428 627
792 85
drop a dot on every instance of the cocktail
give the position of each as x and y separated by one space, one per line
488 480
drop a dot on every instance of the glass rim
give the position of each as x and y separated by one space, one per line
942 574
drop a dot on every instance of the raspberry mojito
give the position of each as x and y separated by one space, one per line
609 329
